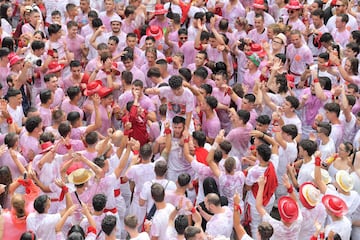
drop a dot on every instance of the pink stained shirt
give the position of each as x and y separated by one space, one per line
342 38
233 12
211 127
189 52
313 105
299 57
223 114
257 37
106 20
6 160
28 143
58 98
240 138
156 22
105 114
74 45
67 107
178 105
250 79
45 114
145 102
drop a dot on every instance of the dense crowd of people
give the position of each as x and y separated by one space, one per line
228 119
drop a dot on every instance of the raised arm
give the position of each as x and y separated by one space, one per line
317 174
259 197
210 157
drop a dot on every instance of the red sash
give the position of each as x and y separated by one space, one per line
270 186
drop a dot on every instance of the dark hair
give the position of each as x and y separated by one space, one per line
263 119
294 102
73 91
225 146
356 36
40 203
10 139
75 63
54 28
309 146
3 12
290 129
64 129
47 137
127 76
344 17
157 192
243 115
76 232
332 107
37 45
200 138
185 73
99 161
264 152
99 202
265 230
6 179
115 39
230 164
29 235
207 87
160 168
108 224
281 80
210 186
91 138
354 47
145 151
178 120
8 42
201 72
191 231
181 222
326 38
32 122
325 128
354 87
211 101
153 72
318 12
73 116
45 95
183 179
354 65
97 22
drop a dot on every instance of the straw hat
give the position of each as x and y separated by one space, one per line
325 177
80 176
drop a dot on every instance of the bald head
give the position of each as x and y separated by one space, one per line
117 138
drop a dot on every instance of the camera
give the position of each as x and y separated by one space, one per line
36 61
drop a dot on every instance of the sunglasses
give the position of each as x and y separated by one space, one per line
338 5
183 38
291 11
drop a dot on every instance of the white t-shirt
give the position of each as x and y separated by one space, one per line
43 225
305 172
293 120
341 227
221 223
142 236
160 222
283 232
318 213
327 149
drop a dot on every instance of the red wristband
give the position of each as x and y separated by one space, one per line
316 80
135 152
193 210
186 140
322 235
317 161
290 189
68 146
9 120
167 131
65 189
91 229
237 208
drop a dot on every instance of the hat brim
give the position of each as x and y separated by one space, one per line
157 36
91 92
89 175
20 59
326 182
160 12
339 213
338 181
57 69
259 6
293 7
47 149
303 199
283 216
